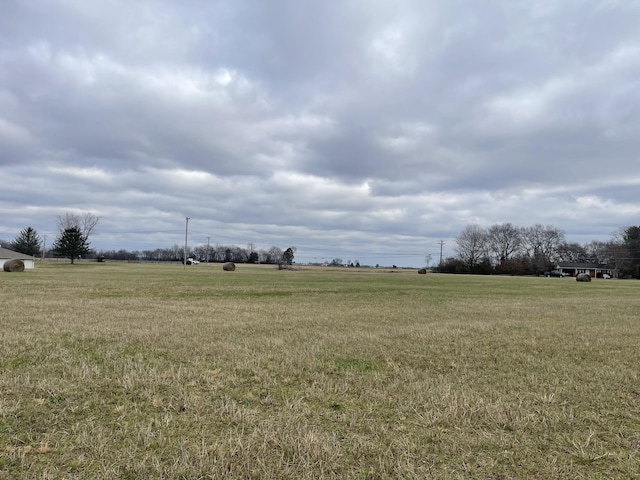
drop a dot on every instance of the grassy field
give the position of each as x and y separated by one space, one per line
135 371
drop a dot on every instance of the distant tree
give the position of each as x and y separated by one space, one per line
336 262
453 265
471 246
121 254
631 234
253 257
200 252
541 244
513 266
71 244
85 223
218 253
287 255
600 252
239 254
251 249
274 255
263 255
28 242
572 252
177 252
503 241
147 255
629 263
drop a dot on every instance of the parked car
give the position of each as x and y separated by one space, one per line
553 273
606 276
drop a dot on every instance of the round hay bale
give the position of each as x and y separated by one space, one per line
583 277
422 271
229 267
13 266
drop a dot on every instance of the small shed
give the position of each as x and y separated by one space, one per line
6 254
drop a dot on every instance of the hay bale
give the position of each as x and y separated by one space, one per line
229 267
422 271
13 266
583 277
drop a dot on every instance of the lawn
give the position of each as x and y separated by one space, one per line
134 371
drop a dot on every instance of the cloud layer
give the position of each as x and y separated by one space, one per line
351 129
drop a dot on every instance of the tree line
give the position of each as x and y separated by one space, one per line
509 249
501 248
204 253
72 242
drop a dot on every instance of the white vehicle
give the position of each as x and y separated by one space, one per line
606 276
192 261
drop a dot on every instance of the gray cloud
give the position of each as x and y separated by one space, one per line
346 128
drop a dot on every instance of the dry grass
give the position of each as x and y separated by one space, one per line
149 371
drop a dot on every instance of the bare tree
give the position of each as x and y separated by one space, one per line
239 254
219 253
85 223
572 252
275 255
504 240
542 244
201 253
471 245
600 252
263 255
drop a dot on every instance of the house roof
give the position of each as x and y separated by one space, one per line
12 255
600 266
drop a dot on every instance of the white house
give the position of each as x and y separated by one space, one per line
6 254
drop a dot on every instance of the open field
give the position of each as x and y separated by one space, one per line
138 371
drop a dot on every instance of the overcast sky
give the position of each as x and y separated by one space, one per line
358 129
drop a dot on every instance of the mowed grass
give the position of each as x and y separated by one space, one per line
157 371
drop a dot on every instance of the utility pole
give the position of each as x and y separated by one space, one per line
441 245
44 248
208 249
186 236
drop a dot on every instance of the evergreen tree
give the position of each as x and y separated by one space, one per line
287 256
27 242
71 244
630 266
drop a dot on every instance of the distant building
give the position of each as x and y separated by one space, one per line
595 270
6 254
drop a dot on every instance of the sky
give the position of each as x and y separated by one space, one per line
369 130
